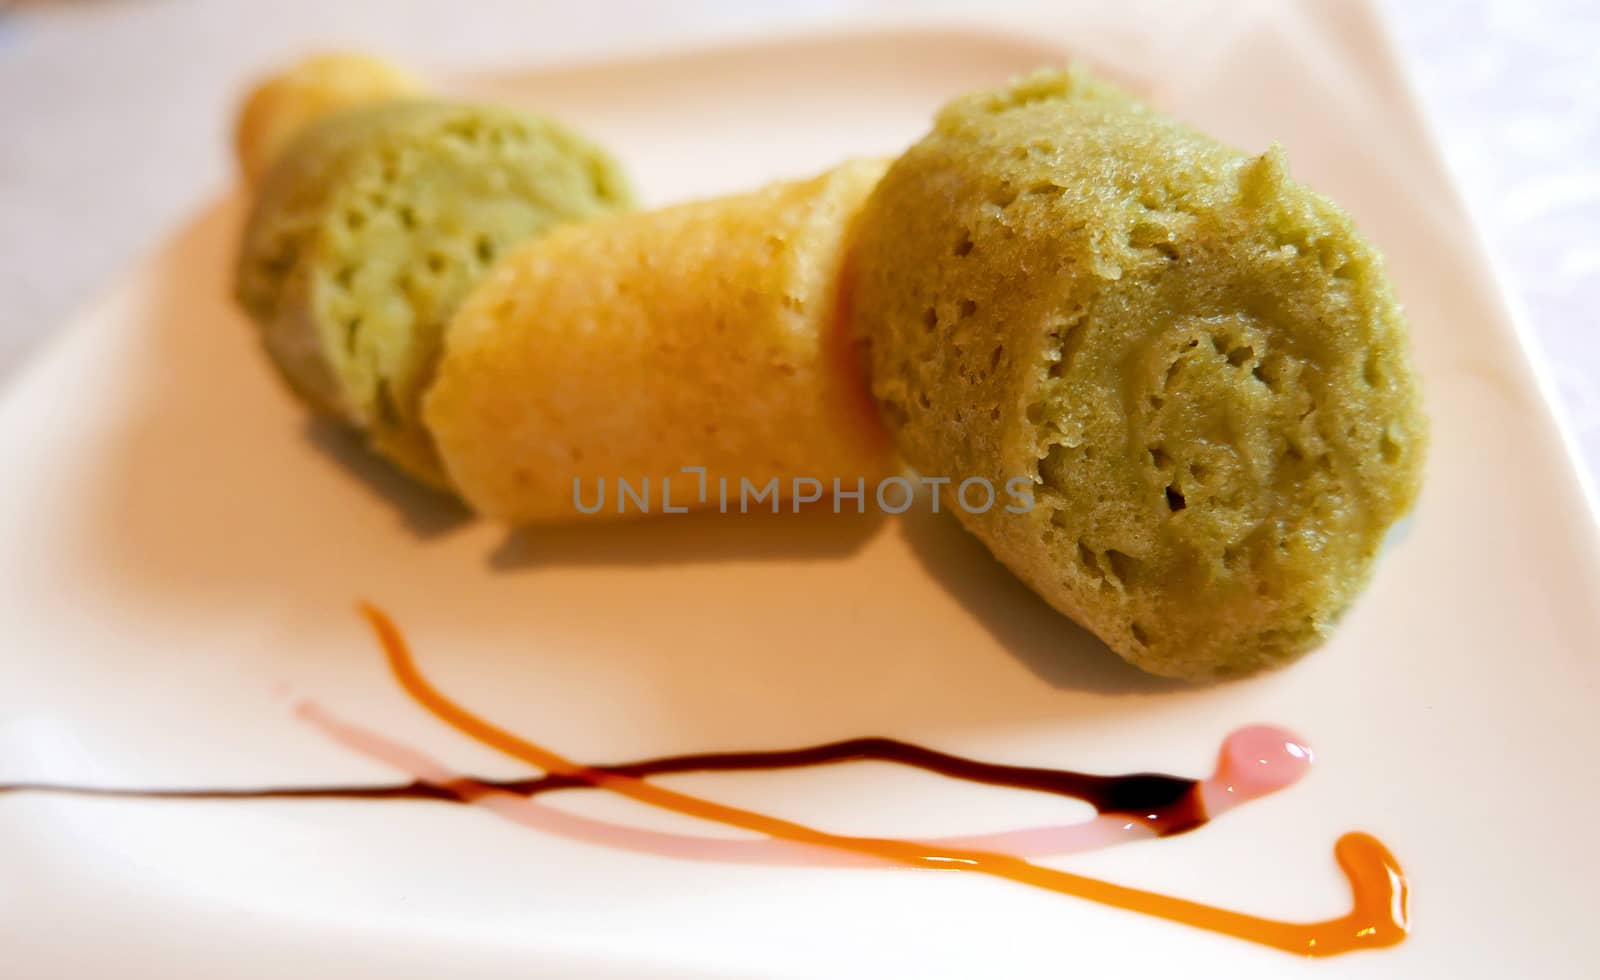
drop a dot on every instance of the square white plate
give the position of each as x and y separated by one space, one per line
181 554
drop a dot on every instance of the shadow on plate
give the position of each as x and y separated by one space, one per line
424 511
1058 651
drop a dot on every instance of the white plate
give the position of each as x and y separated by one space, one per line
182 554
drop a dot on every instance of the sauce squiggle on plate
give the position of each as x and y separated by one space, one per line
1378 916
1253 762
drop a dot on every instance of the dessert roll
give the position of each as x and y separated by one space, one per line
278 108
1195 361
373 224
627 348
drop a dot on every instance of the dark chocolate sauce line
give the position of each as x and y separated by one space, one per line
1166 804
398 791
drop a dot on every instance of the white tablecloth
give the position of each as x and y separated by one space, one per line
110 114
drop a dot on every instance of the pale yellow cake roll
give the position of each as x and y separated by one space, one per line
284 104
632 346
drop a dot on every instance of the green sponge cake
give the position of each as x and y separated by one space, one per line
371 227
1196 362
